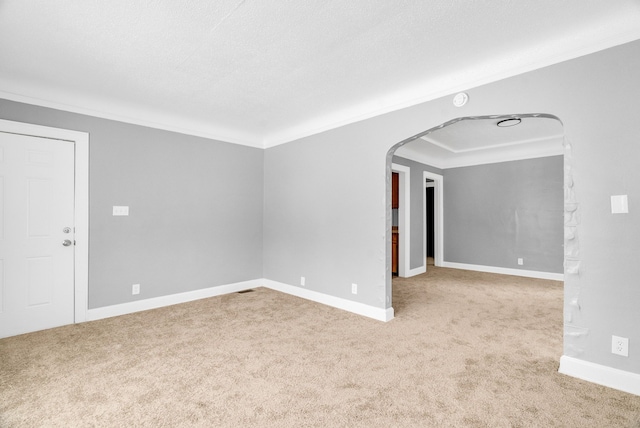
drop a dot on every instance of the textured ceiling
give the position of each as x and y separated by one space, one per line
472 141
263 72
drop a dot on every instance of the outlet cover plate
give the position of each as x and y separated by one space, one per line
620 346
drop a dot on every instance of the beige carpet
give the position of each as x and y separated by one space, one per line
465 350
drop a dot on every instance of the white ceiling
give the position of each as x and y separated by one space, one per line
264 72
478 140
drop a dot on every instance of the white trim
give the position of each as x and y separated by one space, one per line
82 228
404 219
426 91
379 314
602 375
502 147
171 123
172 299
438 214
81 207
506 271
470 78
417 271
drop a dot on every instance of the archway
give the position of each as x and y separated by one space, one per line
469 142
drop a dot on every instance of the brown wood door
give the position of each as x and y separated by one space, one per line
395 190
394 253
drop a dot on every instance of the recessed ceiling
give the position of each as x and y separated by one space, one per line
264 72
478 140
472 134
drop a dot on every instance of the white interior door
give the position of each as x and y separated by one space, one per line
36 218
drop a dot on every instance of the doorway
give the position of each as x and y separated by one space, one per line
429 228
402 220
433 218
44 227
454 146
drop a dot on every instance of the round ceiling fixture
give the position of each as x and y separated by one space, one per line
460 99
506 123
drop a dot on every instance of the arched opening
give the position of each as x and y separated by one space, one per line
506 218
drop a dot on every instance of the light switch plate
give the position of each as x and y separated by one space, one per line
619 204
120 210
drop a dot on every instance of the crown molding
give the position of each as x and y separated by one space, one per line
471 78
482 75
139 117
542 148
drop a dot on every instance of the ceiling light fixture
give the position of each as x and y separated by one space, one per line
505 123
460 99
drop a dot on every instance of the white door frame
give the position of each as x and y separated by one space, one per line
438 215
404 219
81 203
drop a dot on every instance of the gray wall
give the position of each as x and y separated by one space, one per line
321 211
195 207
347 171
496 213
417 189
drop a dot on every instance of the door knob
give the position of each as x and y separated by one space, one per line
66 242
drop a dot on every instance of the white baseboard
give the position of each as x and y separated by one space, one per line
602 375
336 302
506 271
173 299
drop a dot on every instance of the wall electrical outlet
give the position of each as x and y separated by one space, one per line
620 346
135 289
302 281
354 288
520 261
